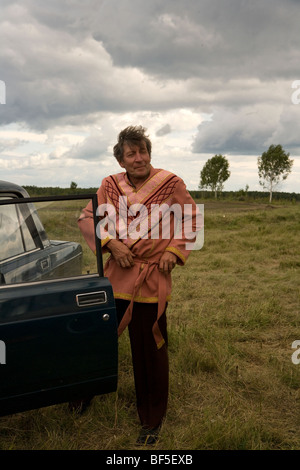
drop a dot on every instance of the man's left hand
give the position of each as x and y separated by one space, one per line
167 262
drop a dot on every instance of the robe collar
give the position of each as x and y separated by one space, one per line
127 179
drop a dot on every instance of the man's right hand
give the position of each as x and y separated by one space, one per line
121 253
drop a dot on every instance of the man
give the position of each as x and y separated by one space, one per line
139 232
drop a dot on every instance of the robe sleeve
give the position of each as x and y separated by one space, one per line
189 224
86 222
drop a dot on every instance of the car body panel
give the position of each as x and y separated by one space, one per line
59 328
57 260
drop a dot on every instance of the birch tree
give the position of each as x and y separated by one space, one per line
273 166
214 173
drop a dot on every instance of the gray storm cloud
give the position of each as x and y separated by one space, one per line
72 63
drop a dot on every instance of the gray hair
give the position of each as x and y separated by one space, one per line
132 135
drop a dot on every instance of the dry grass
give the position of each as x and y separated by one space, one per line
232 320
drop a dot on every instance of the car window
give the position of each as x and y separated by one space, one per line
28 240
11 243
41 241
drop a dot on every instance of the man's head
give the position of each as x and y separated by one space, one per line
133 152
132 135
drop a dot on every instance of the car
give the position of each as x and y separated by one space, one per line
58 324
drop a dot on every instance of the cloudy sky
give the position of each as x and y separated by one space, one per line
204 77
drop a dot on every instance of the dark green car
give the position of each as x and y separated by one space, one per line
58 326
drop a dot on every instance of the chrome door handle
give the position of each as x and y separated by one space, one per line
92 298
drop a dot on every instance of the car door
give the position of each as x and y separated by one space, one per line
58 326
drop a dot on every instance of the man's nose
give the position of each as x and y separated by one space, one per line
138 156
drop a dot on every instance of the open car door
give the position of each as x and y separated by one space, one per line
58 325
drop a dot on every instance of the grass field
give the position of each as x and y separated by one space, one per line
234 315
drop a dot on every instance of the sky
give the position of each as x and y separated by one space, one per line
204 77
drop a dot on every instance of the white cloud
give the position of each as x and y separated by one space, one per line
204 77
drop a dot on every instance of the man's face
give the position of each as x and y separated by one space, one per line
136 161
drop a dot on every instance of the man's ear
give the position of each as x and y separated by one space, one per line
121 164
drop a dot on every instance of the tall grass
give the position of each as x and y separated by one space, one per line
233 317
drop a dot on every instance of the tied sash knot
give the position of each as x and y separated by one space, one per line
146 268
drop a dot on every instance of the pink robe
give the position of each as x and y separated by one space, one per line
147 233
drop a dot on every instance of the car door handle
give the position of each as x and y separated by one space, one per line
44 264
91 298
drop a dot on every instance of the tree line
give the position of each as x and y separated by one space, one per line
274 165
246 195
240 195
36 191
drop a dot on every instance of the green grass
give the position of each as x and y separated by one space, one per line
233 317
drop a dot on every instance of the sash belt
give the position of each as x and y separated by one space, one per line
146 268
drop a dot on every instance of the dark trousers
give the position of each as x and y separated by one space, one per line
150 365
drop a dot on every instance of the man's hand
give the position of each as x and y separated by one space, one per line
167 262
121 253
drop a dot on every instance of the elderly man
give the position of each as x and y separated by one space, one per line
141 237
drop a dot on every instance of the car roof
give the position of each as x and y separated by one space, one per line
7 188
